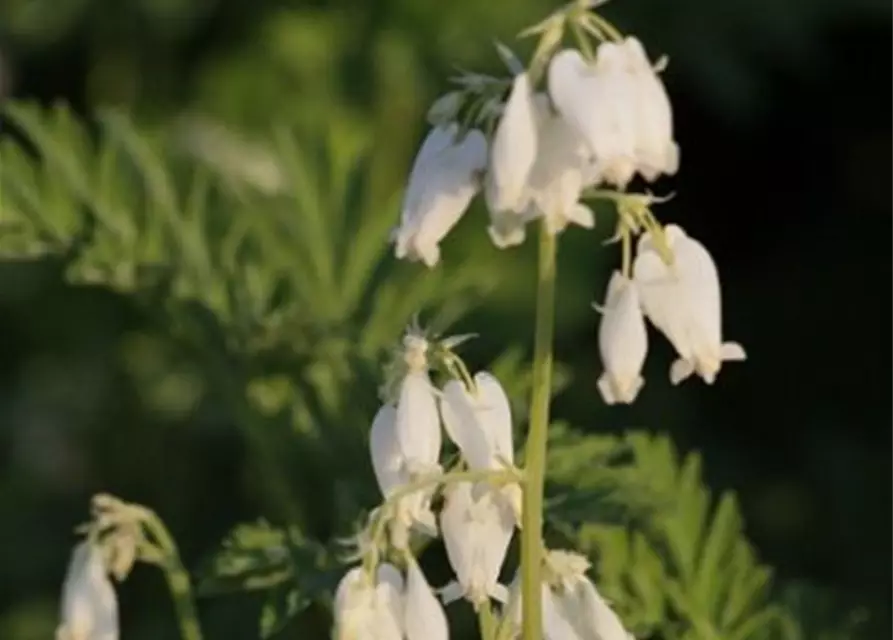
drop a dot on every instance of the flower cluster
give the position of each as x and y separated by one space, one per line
386 596
603 117
682 301
481 505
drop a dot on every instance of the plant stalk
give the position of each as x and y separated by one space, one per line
535 462
486 622
177 578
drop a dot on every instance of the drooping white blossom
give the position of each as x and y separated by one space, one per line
683 301
480 425
417 420
656 151
561 171
555 625
89 608
619 106
367 609
391 471
513 150
476 535
597 100
442 182
623 342
576 602
424 618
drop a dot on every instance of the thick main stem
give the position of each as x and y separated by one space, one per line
535 462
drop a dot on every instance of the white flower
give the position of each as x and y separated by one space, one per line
683 301
391 472
424 618
442 183
597 100
417 420
480 424
576 602
656 151
476 534
514 149
561 172
367 610
622 341
89 604
619 107
555 625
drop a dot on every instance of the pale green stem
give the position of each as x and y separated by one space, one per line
486 622
626 260
535 462
177 578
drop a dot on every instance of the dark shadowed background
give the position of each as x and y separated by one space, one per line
783 113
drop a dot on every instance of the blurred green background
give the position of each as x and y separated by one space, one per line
783 113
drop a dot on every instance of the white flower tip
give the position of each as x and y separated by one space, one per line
430 255
581 215
451 592
504 236
680 370
615 391
500 593
732 352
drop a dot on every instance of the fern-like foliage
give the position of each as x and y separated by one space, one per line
684 572
271 263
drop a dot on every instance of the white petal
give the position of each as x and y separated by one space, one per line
623 341
417 423
438 140
556 180
495 415
457 530
424 618
463 427
495 536
603 622
389 589
507 230
571 86
476 536
732 352
386 459
89 603
555 625
656 152
514 149
480 425
441 185
613 133
662 296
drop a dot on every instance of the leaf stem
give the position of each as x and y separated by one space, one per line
535 462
